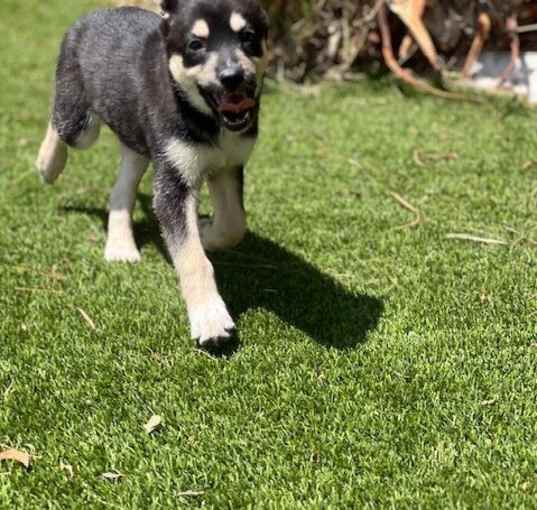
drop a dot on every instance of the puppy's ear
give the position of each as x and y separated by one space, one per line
168 7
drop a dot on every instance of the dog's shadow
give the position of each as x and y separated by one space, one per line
261 274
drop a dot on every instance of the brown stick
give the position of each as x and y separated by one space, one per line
409 207
407 45
403 74
512 28
483 33
411 13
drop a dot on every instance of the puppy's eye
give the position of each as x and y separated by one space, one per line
247 37
196 45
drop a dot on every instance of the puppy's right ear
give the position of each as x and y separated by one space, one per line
168 7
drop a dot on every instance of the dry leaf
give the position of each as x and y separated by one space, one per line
68 468
112 477
153 424
21 457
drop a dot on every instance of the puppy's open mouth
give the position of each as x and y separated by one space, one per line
236 110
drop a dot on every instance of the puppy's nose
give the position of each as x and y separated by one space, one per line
232 78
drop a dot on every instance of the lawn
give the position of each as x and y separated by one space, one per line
381 363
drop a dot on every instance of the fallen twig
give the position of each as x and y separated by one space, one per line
512 28
405 75
527 28
23 458
87 318
37 289
411 13
482 36
476 239
409 207
521 237
422 159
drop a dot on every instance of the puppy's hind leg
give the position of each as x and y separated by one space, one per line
52 156
120 244
72 121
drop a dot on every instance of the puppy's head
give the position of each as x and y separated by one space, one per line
217 52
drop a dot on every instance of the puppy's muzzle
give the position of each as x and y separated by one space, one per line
237 102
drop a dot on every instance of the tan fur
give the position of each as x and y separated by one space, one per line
207 312
52 156
190 78
201 29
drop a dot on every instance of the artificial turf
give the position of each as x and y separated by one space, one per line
379 365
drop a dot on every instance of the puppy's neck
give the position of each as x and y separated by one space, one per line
194 124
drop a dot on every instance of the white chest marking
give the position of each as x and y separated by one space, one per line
195 161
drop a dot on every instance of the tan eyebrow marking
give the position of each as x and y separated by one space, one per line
201 29
237 22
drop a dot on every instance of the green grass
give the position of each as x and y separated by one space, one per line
378 367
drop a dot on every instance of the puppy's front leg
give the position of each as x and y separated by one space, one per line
228 226
175 204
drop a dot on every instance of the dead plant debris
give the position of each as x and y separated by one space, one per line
154 424
17 456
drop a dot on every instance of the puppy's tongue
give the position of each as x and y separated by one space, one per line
235 103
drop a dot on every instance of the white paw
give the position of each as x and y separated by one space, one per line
116 252
210 323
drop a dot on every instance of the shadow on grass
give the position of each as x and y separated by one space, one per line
261 274
145 231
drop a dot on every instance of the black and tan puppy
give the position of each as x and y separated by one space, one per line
181 90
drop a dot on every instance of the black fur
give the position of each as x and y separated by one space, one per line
115 63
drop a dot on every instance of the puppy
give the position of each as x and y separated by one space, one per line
181 90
